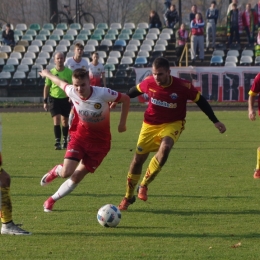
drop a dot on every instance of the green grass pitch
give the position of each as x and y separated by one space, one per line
204 204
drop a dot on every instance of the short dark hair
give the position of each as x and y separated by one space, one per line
214 2
79 45
161 62
8 25
80 74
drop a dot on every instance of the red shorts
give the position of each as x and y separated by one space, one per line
91 153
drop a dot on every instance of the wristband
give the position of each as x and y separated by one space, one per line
45 100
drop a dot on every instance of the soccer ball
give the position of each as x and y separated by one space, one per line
109 216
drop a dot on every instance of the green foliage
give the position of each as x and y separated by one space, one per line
204 201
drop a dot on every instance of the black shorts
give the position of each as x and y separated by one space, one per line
59 106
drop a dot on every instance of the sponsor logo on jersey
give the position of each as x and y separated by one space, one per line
163 103
97 105
174 96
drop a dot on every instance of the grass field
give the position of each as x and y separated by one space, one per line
203 205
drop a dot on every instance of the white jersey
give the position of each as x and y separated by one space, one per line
72 64
95 74
93 112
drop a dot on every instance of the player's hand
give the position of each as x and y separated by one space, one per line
221 127
113 105
251 115
45 107
121 128
44 73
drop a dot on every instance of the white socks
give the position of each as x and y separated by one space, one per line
66 188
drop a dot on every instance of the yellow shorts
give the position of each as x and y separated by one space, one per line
151 136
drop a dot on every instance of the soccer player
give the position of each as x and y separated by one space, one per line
76 62
58 101
8 226
96 71
91 140
164 121
254 91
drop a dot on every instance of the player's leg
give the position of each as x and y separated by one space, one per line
51 175
65 131
68 186
144 146
65 112
55 110
168 135
74 152
155 166
257 170
133 176
57 131
8 226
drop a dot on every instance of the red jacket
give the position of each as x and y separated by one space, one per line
244 18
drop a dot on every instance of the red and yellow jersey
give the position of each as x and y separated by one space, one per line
255 88
167 103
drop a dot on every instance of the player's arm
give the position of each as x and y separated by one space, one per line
62 84
46 92
251 110
204 105
125 100
132 93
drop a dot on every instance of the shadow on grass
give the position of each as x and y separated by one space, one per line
124 233
198 212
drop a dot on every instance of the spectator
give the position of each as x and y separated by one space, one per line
197 37
154 20
232 24
171 17
250 22
257 10
8 36
212 17
194 11
182 37
240 11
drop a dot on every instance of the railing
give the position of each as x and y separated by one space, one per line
185 51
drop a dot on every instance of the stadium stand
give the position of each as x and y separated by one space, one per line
120 48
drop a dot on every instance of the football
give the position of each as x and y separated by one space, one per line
109 216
